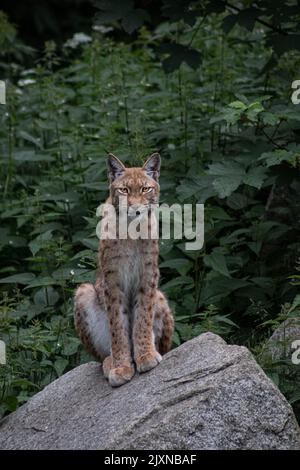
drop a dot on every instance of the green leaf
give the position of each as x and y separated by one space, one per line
92 243
176 339
229 22
60 364
71 346
255 246
248 16
46 296
134 20
253 110
200 187
31 156
24 383
112 11
24 278
225 319
178 53
231 115
227 177
274 377
34 310
42 281
178 10
62 274
283 43
238 105
270 119
238 201
296 303
217 262
263 282
255 177
177 282
218 213
12 241
278 156
26 136
182 265
40 242
221 287
294 397
11 403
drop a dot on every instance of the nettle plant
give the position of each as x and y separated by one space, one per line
228 135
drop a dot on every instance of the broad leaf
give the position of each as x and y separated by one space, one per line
217 262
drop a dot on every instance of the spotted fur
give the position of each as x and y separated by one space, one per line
124 320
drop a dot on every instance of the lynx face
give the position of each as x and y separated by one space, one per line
134 188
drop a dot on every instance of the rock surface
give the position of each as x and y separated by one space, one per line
204 395
279 345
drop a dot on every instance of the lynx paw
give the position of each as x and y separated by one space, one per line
147 361
107 365
120 375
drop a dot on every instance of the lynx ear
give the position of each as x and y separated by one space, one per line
152 166
115 167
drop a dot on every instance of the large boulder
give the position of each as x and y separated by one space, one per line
205 394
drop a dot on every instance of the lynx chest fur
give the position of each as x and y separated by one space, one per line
131 265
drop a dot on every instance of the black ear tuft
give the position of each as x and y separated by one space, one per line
152 166
115 167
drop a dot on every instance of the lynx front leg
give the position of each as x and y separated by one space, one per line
119 367
145 354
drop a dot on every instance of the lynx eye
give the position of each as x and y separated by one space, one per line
147 189
123 190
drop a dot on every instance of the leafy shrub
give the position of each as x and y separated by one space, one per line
228 135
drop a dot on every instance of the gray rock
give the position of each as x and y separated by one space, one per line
279 345
204 395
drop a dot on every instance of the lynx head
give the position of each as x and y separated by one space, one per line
137 187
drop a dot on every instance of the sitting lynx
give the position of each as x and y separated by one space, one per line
124 319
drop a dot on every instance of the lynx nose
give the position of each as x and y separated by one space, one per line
135 210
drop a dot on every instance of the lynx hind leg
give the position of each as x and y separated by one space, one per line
163 326
91 322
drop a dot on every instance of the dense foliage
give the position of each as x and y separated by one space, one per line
229 137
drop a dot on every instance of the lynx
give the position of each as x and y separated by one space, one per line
123 319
